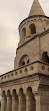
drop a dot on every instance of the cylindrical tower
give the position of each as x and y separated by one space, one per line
29 29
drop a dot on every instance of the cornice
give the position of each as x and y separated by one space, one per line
35 36
34 17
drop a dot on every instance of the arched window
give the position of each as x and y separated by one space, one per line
24 60
32 29
45 57
24 32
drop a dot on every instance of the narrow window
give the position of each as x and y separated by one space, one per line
32 29
27 61
24 32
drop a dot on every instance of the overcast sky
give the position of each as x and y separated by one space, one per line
12 12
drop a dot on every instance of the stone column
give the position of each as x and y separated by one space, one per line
37 98
22 103
3 103
30 102
28 31
14 103
9 103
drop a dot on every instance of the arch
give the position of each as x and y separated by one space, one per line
3 93
24 32
20 91
24 60
14 92
32 28
8 93
29 90
45 57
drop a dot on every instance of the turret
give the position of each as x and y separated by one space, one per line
30 28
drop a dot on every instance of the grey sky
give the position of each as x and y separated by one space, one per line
12 12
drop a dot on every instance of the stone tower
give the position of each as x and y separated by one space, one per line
26 88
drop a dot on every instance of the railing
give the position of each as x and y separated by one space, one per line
30 69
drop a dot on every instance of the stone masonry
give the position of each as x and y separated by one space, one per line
26 88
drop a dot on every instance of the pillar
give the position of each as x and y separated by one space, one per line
29 103
3 103
14 103
27 31
22 103
9 103
38 107
30 100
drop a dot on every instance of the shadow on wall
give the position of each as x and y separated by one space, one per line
45 57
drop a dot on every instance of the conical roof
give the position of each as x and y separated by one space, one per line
36 9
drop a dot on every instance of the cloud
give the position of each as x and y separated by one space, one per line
12 12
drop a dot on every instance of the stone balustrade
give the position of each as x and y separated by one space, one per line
30 69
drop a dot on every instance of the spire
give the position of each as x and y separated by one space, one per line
36 9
